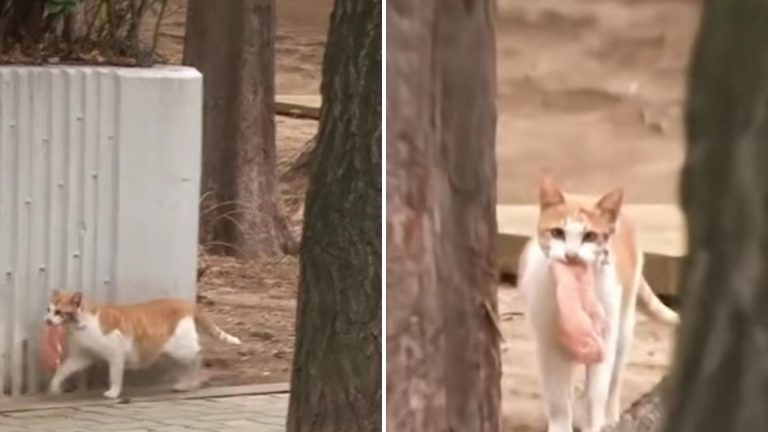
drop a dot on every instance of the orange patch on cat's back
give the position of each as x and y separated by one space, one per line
149 324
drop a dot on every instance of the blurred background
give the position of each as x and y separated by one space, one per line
592 92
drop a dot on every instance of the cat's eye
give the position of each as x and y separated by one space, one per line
557 233
590 237
57 312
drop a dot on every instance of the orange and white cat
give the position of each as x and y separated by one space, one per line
594 232
131 336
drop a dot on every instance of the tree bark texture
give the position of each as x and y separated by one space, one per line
645 414
720 378
21 22
336 377
443 360
233 44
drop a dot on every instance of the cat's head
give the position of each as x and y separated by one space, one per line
571 229
64 307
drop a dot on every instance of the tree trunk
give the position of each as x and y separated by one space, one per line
20 23
336 379
233 44
645 414
302 163
720 377
443 359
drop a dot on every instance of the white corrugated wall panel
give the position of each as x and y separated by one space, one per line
99 185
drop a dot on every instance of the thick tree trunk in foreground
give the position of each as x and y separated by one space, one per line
721 373
443 361
720 376
233 44
336 379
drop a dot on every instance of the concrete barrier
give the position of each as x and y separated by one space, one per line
99 189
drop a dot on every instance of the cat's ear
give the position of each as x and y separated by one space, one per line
55 295
609 204
549 193
77 299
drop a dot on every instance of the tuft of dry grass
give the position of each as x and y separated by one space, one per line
117 32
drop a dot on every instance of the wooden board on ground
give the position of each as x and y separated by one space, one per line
661 231
302 106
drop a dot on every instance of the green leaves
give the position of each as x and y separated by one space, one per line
61 7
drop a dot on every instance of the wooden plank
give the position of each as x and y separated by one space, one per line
300 106
660 229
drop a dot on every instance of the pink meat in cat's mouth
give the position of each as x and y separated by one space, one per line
580 314
53 336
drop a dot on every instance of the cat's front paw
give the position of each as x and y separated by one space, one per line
112 393
54 388
187 385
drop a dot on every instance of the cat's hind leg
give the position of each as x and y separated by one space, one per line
623 345
190 378
184 347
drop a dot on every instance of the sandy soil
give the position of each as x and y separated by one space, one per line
257 300
590 91
301 31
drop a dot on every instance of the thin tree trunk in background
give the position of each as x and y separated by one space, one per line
233 44
720 379
443 360
21 23
336 379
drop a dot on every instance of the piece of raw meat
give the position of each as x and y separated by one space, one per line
51 351
580 314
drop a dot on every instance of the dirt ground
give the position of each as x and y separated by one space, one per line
257 300
302 27
591 92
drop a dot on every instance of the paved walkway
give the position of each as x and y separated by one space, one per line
256 413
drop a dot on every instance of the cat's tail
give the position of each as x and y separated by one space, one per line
212 329
654 307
